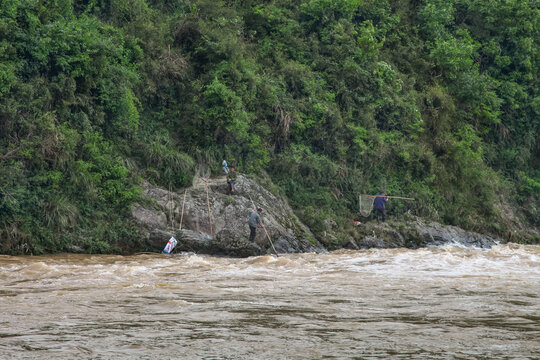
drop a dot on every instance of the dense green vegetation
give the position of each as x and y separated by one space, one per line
434 99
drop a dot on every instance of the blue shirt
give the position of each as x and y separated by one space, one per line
380 201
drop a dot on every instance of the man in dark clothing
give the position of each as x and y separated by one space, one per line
254 221
231 178
379 203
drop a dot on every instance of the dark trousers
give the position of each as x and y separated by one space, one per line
231 186
253 233
381 213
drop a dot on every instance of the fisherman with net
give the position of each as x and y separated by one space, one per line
367 202
380 205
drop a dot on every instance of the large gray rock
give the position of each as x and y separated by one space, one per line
437 234
287 243
152 219
228 242
415 234
193 241
216 223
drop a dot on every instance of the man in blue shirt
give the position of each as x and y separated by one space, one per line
379 203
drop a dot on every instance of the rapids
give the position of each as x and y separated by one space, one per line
432 303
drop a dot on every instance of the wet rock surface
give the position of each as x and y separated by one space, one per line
415 234
214 222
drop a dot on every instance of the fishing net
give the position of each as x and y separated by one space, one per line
365 205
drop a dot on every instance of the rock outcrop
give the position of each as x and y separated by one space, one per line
216 223
415 234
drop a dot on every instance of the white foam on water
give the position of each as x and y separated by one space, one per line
195 260
447 260
344 304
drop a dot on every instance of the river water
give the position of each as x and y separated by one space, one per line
435 303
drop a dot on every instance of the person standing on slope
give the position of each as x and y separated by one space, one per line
254 221
225 167
380 205
231 178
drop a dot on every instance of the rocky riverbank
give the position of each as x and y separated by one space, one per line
205 219
214 222
415 234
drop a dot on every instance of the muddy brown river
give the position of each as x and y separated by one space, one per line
436 303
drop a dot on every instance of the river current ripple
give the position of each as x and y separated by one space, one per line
435 303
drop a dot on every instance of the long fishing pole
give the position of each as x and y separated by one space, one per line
390 197
266 232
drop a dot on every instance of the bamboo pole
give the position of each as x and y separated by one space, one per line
266 232
390 197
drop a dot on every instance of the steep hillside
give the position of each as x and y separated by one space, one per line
432 99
